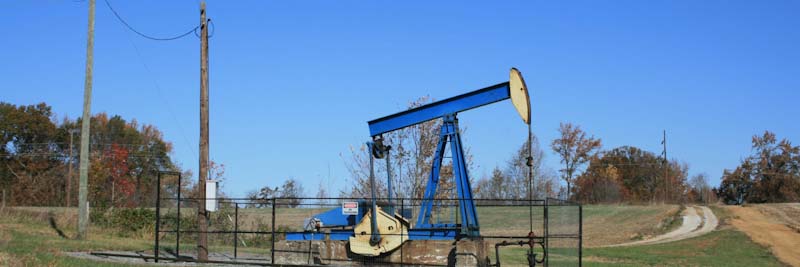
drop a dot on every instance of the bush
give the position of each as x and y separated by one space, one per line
133 220
127 221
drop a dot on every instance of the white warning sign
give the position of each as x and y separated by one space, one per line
349 208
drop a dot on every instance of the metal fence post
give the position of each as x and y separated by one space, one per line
272 249
580 235
546 231
178 223
402 212
236 231
158 214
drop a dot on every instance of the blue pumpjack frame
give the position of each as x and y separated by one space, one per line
439 109
449 137
469 217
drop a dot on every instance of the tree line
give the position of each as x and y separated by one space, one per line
37 151
632 175
589 174
625 174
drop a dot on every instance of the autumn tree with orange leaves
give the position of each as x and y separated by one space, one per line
35 156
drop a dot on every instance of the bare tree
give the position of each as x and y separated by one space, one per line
516 172
292 190
414 148
289 194
253 201
322 194
575 150
412 155
700 187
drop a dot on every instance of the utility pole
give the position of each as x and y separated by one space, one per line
69 173
202 215
666 168
83 204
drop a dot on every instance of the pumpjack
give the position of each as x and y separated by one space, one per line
373 229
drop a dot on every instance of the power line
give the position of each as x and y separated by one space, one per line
147 69
121 20
161 95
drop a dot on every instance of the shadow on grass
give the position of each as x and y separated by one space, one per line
51 218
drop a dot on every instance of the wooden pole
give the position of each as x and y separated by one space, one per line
202 240
83 204
666 170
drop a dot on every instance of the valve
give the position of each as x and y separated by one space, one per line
532 242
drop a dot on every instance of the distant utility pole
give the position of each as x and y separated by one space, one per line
69 173
202 215
83 204
666 168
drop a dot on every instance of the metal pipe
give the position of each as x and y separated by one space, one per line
580 235
374 235
236 231
506 243
546 230
272 249
178 231
402 237
529 162
389 180
189 259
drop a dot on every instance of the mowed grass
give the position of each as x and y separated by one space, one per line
726 247
602 224
33 242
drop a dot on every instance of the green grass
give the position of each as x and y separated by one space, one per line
720 248
629 220
35 244
722 213
623 213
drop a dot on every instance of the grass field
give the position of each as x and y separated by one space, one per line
603 224
29 240
720 248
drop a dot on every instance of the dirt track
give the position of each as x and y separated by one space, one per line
693 225
782 240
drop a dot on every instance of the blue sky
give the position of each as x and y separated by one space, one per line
293 83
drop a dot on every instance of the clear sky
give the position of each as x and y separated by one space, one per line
294 82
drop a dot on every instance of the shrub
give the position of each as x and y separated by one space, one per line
127 221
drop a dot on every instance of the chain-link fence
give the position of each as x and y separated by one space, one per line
283 231
564 231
